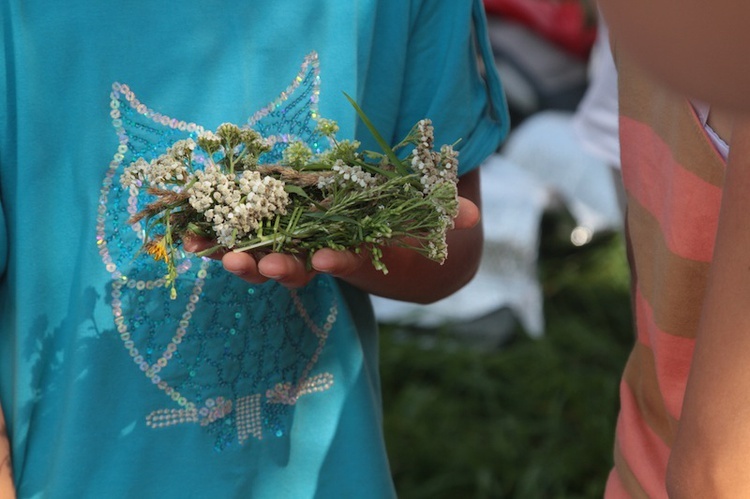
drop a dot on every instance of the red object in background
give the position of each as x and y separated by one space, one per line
562 22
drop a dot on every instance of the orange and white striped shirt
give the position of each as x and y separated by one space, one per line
673 176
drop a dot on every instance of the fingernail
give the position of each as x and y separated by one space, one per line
271 275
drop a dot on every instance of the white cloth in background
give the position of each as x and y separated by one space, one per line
702 110
596 119
513 203
546 146
552 157
542 163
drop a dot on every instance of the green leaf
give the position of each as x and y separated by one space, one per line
195 229
299 191
378 138
374 169
295 189
331 218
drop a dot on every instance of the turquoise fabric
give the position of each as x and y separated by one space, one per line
111 389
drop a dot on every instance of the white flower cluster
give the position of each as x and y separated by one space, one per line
438 250
209 141
426 133
235 205
297 154
240 143
327 127
221 186
433 167
182 150
345 175
135 174
168 169
449 163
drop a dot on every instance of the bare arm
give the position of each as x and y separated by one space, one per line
411 277
7 491
710 455
696 46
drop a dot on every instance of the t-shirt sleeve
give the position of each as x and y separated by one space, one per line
443 81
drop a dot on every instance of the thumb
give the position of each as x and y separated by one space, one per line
468 214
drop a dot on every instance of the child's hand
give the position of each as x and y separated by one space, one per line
286 269
7 489
291 271
468 214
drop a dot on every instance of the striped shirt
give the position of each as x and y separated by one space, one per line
673 177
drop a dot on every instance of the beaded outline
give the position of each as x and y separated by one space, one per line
248 409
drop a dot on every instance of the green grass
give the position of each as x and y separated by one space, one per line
532 418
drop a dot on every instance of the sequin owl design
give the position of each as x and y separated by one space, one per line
231 357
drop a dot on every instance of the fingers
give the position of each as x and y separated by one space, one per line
291 271
468 214
195 244
287 270
338 263
244 266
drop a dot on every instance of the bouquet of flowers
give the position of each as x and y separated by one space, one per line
219 187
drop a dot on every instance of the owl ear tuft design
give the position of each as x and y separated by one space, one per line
234 372
294 114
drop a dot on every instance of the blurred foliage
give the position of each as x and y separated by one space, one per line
532 418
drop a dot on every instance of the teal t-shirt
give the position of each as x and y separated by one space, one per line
109 388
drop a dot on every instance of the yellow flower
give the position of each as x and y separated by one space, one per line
158 249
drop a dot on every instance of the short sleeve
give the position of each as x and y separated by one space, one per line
443 81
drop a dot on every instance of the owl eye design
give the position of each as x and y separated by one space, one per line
231 357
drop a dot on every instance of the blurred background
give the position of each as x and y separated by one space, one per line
510 387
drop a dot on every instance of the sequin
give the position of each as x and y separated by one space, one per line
236 371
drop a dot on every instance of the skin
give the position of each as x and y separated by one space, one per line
7 491
697 48
411 277
709 457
